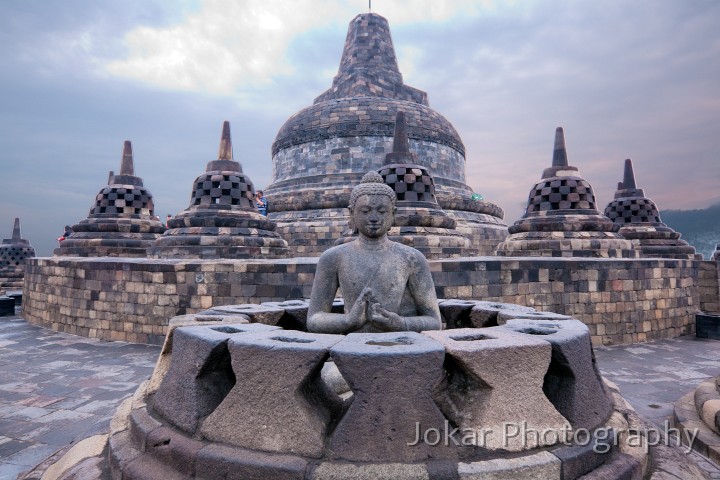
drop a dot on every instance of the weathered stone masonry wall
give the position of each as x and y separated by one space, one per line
709 286
621 301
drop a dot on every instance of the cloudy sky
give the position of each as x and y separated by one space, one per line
625 78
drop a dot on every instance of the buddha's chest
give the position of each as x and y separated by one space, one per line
376 272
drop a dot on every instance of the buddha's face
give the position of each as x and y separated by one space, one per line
373 215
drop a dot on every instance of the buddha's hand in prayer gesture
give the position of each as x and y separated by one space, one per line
385 320
358 315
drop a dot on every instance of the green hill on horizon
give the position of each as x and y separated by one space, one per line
700 228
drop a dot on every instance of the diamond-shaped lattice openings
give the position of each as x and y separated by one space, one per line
223 189
561 194
127 200
410 184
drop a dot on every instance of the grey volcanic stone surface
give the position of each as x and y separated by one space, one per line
266 313
488 314
278 403
388 402
562 219
572 382
639 219
324 149
508 314
495 378
200 375
386 286
222 220
222 462
13 252
121 222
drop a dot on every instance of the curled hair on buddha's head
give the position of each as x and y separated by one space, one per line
372 183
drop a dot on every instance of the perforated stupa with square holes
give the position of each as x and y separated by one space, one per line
322 151
562 219
122 221
639 219
13 252
419 221
222 220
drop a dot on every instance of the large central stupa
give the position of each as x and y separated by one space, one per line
321 152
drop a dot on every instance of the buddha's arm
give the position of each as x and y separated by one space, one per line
422 288
325 286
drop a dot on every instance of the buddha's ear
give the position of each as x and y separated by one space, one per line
351 222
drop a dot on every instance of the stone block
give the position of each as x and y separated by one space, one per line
267 314
620 466
200 374
149 468
508 314
174 449
540 466
295 316
495 380
163 363
572 382
456 313
279 403
487 314
578 460
383 471
228 463
141 424
392 376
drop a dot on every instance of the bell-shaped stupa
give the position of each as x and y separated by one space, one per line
321 152
639 219
561 218
222 220
419 221
122 223
13 252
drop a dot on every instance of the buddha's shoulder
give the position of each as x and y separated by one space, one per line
333 253
408 252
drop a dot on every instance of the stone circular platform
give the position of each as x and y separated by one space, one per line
435 405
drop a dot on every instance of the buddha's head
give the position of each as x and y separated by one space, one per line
372 206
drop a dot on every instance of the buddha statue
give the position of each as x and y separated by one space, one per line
386 286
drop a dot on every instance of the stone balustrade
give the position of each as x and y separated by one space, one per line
620 300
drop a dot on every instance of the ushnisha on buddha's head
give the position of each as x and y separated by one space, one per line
372 207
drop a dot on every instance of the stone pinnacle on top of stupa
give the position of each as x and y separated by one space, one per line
368 66
559 152
401 143
629 175
628 187
127 166
225 152
16 237
560 165
225 161
127 169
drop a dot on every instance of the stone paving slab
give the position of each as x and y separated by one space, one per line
56 388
